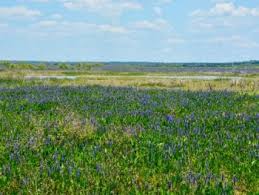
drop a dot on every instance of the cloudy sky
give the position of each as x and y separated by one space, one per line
129 30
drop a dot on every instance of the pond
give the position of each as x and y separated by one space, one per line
51 77
202 77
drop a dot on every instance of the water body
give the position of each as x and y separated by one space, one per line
148 77
197 77
51 77
202 77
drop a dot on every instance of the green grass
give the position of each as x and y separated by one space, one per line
99 139
249 83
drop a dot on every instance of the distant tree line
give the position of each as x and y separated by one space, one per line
251 63
8 65
120 66
79 66
21 66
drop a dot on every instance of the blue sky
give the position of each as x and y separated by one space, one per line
129 30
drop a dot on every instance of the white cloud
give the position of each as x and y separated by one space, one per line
234 40
56 16
47 23
39 1
204 23
3 25
166 50
164 1
219 1
224 15
34 1
18 11
157 24
158 11
176 40
226 9
104 7
112 28
74 28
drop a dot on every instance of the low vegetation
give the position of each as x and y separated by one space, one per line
127 134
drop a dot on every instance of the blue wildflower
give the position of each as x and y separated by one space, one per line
169 118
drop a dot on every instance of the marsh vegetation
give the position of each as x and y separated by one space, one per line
107 132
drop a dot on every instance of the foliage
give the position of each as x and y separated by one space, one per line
21 66
125 140
139 67
64 66
87 66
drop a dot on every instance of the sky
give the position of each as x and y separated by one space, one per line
129 30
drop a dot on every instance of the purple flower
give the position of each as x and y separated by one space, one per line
70 170
48 141
169 184
234 180
78 173
169 118
98 168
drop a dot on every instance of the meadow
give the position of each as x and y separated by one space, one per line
128 133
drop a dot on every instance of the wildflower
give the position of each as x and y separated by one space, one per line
222 177
69 170
98 168
169 118
6 169
78 173
25 181
234 180
170 184
47 141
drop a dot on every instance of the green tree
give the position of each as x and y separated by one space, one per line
63 66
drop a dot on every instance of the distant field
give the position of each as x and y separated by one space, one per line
135 67
94 132
184 80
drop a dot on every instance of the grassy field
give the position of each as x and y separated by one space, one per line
128 133
227 81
